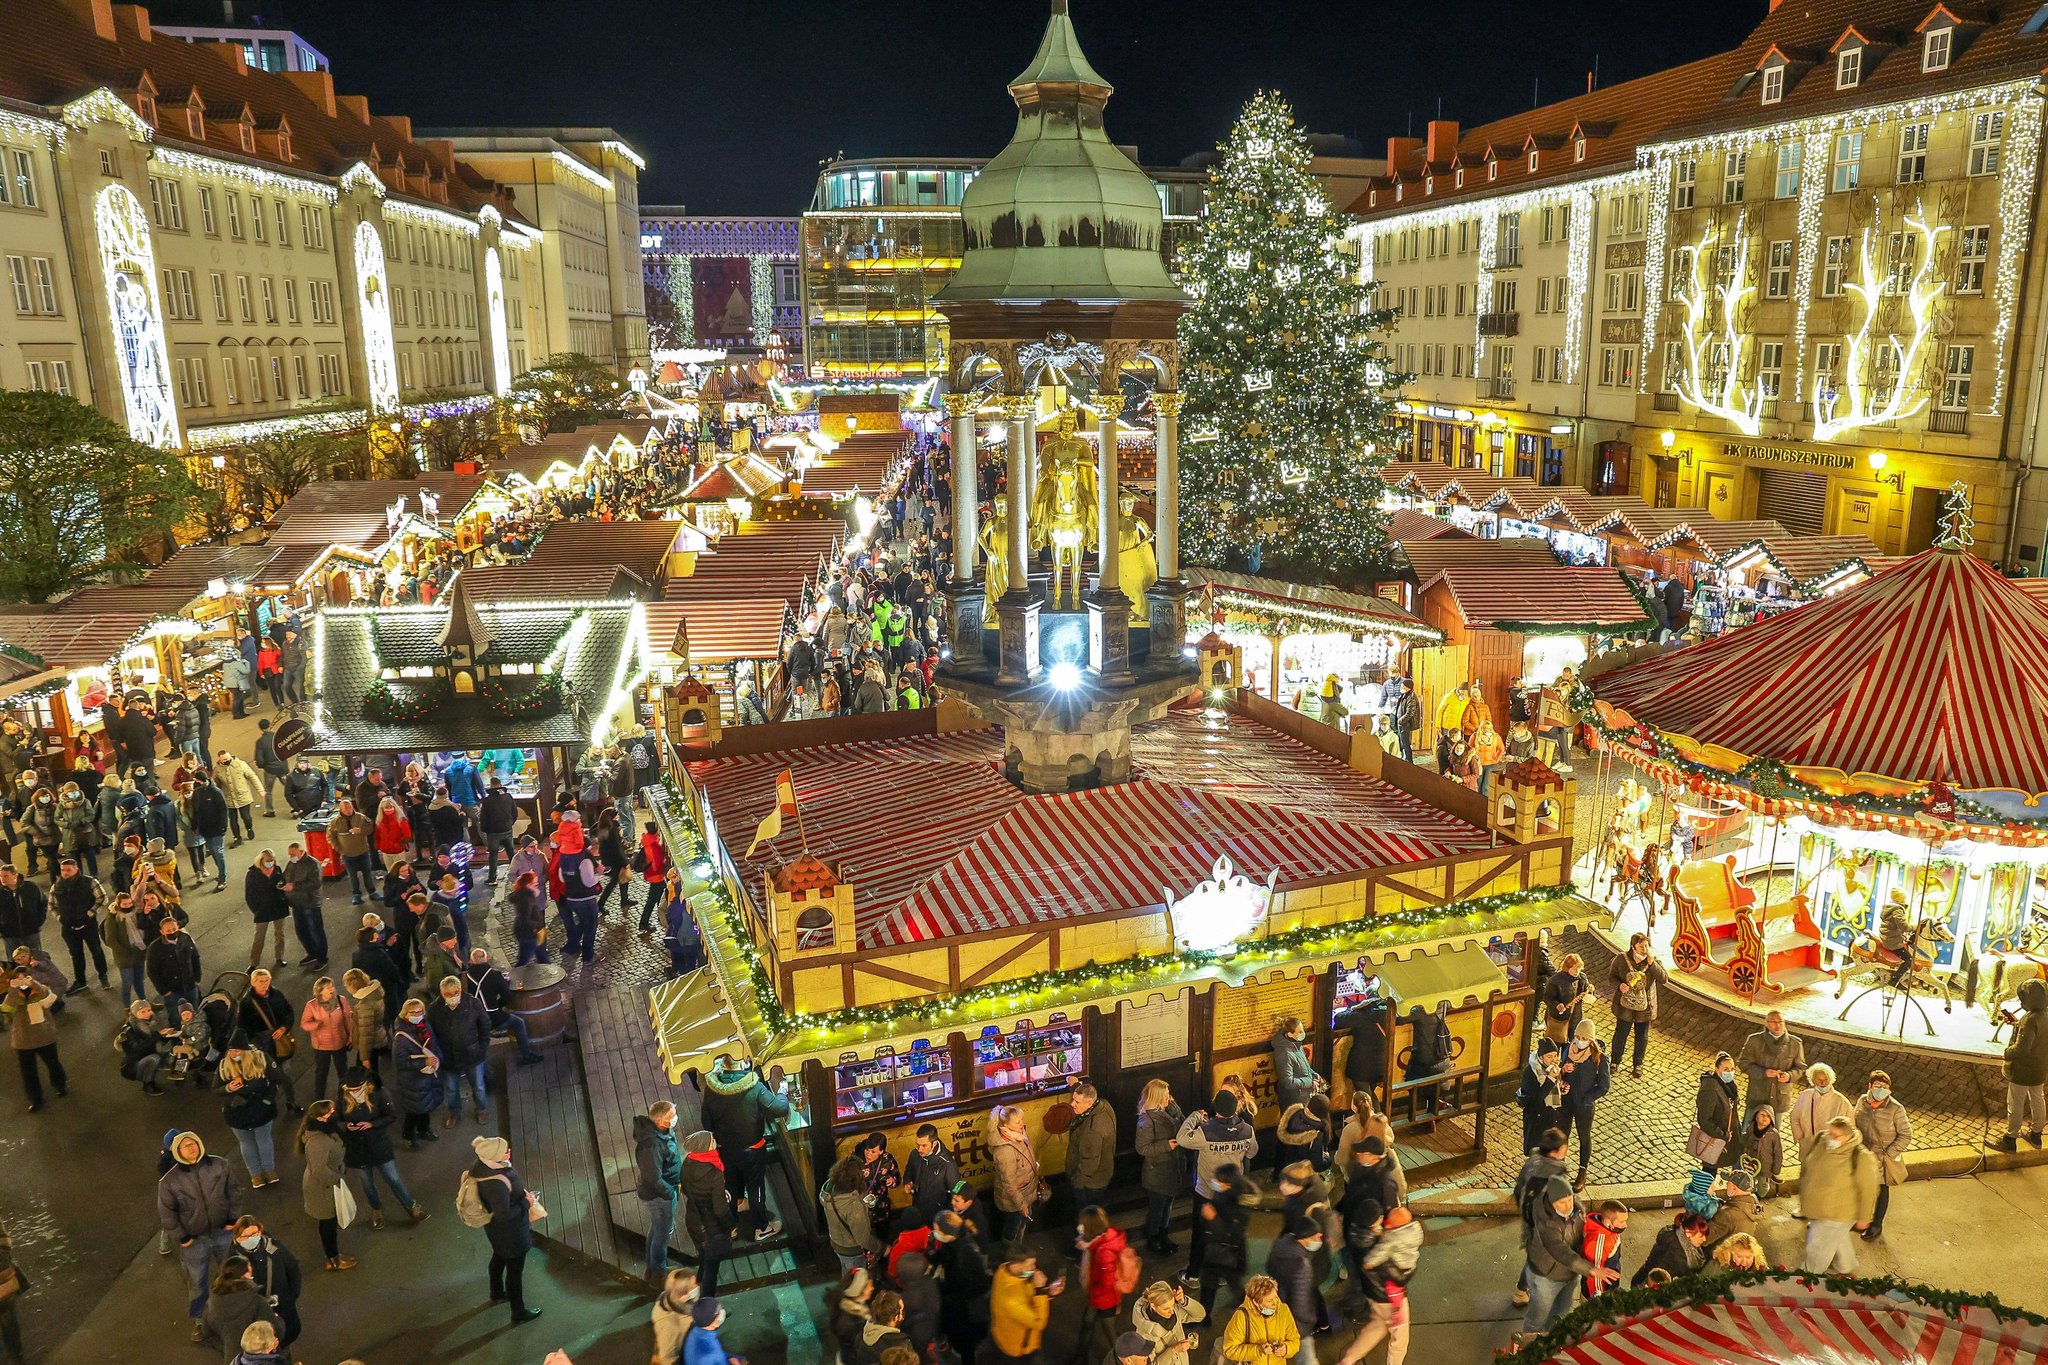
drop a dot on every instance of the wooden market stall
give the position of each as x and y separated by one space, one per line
1773 573
1632 530
94 649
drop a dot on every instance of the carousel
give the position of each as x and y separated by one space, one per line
1842 803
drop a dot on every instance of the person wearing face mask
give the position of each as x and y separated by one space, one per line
1772 1058
1583 1077
1388 1265
44 830
305 791
366 1117
235 1303
1636 976
263 892
1291 1263
1819 1105
1262 1331
1714 1111
1838 1184
1538 1093
418 1059
275 1272
1887 1131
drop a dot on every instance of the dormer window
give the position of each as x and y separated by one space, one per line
1493 170
1849 68
1578 149
247 133
145 105
284 144
1400 193
195 123
1458 178
1774 84
1934 56
1532 158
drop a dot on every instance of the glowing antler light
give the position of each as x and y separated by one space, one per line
1728 401
1865 407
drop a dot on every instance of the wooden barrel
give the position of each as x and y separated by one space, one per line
538 998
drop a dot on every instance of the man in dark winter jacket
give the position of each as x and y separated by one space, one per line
77 899
1553 1244
1291 1263
195 1205
2026 1070
740 1110
659 1166
1218 1137
931 1174
207 812
171 962
496 817
24 909
1546 1160
464 1036
305 791
303 883
490 989
708 1214
1091 1147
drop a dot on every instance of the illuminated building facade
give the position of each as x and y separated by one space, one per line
722 282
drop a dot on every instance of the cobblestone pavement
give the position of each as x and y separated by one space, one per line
1639 1130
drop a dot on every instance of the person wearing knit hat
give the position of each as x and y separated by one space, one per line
1553 1245
195 1205
510 1232
709 1213
702 1346
1218 1137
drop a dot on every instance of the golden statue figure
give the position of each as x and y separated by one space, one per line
1063 512
1137 565
995 550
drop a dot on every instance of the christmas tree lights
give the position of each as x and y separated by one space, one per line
1283 360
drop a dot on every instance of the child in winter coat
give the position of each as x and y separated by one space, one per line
1602 1245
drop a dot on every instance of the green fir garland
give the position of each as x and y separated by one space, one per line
383 703
1692 1291
544 698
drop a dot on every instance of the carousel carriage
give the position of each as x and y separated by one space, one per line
1761 948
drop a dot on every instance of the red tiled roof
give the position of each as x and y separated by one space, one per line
1428 558
1409 525
1553 595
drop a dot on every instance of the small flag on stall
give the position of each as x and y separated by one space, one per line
785 804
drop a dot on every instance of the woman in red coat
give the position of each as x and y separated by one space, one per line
394 831
654 869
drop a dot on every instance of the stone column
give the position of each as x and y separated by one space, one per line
1109 611
1166 605
1017 611
967 603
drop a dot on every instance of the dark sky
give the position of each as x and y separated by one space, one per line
734 105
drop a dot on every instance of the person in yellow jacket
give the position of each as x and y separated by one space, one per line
1262 1330
1019 1305
1450 723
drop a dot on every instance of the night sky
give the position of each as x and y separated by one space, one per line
734 105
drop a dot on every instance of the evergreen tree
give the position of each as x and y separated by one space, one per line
1289 394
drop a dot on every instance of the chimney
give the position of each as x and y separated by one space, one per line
356 107
98 15
133 19
1443 140
1399 151
401 123
317 86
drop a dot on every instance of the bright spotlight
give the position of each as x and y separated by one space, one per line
1065 676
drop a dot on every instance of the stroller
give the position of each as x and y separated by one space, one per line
219 1009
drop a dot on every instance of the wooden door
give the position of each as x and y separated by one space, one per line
1437 670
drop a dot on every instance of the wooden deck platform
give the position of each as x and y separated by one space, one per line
572 1134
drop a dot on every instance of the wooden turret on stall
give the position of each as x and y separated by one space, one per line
690 712
1221 662
1531 801
810 907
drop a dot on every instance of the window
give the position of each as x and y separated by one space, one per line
50 376
1972 251
1770 368
1934 56
1827 365
277 377
242 295
398 307
1913 153
1631 291
1680 273
227 380
1607 366
24 182
192 383
257 229
234 202
1778 274
1674 365
1543 295
1536 373
269 300
1458 361
206 223
46 284
299 374
188 305
1834 266
1774 84
311 230
1549 226
1955 381
1848 161
1029 1055
1613 286
1884 375
1901 259
284 236
1734 174
1635 213
320 293
1506 294
156 201
891 1082
1848 68
1684 173
1987 130
17 276
1532 158
255 379
291 300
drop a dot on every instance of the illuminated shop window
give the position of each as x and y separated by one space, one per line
891 1081
1030 1055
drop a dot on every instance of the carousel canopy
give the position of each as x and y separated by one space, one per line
1936 670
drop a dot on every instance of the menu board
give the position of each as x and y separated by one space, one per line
1247 1015
1154 1032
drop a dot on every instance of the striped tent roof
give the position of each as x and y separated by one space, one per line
1478 487
938 843
768 559
1574 509
1644 523
1717 538
1767 1330
1418 477
1428 558
861 461
1801 558
714 631
1556 595
1935 669
1410 525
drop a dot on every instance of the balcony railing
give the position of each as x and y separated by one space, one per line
1500 324
1949 421
1664 402
1500 388
1507 257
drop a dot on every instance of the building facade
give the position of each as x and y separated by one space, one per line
206 251
580 187
1795 277
722 283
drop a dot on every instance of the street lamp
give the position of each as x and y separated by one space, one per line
1896 479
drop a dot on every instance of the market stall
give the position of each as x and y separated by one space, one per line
1761 577
109 645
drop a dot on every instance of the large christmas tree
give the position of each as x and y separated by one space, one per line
1289 393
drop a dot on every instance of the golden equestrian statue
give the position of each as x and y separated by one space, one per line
1063 514
1137 566
995 554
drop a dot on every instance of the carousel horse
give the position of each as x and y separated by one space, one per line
1909 969
1637 876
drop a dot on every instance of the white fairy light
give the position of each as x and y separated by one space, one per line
1866 408
241 172
405 211
1701 302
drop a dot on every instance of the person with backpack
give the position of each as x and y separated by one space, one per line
1217 1140
1546 1159
1636 976
1386 1268
494 1198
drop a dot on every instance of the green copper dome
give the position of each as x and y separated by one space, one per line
1061 213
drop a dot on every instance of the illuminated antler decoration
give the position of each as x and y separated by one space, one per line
1866 408
1743 411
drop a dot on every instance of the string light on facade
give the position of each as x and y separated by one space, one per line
240 172
104 106
1813 181
1867 407
135 312
1715 340
405 211
2015 215
494 311
380 357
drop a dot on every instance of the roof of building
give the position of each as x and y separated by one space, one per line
1363 610
1557 596
1717 538
1936 669
360 643
715 630
1642 522
938 843
529 582
640 546
1428 558
862 461
355 512
59 51
1408 525
84 641
1801 558
762 559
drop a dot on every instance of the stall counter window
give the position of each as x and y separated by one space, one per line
891 1082
1030 1056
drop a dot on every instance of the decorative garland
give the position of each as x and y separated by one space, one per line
544 698
382 703
1050 989
1694 1290
1770 779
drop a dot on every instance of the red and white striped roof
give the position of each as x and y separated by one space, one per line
1808 1332
862 461
938 843
1558 595
1935 669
